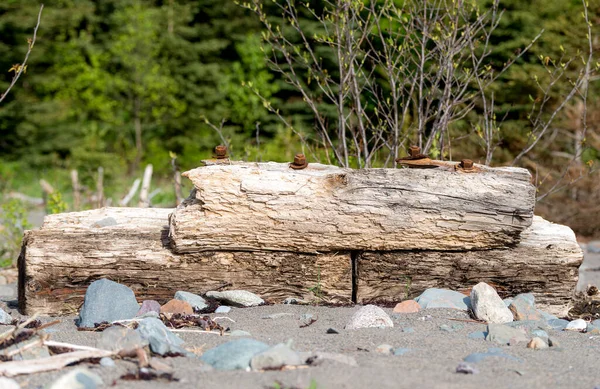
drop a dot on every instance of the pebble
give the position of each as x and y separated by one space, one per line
408 306
7 383
466 368
5 318
275 358
537 343
162 341
503 334
540 334
106 300
223 309
279 315
239 333
452 328
118 338
197 302
477 335
295 301
332 331
79 378
385 349
369 316
488 306
443 298
106 222
408 330
523 308
177 306
492 352
237 297
148 306
233 355
576 325
107 362
401 351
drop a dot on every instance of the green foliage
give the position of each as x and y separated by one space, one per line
55 203
13 222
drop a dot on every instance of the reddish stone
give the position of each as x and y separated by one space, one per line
407 306
177 306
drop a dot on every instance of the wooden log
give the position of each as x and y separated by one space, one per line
545 263
130 246
269 206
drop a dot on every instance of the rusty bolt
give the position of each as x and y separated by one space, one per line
413 151
466 164
299 162
221 152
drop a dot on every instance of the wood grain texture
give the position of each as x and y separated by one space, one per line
545 263
267 206
69 252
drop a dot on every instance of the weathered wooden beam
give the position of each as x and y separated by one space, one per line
130 245
545 263
268 206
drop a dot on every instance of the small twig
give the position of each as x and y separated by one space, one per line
469 320
24 64
52 343
50 324
197 331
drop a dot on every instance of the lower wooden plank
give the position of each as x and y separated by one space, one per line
59 261
545 263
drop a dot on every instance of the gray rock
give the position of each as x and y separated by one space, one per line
488 306
503 334
149 306
106 300
237 297
540 334
197 302
576 325
492 352
5 318
558 324
369 316
239 333
79 378
408 330
275 316
466 368
118 338
385 349
529 325
547 316
7 383
596 323
523 308
162 341
106 222
107 362
223 309
233 355
477 335
320 357
401 351
275 357
450 328
443 298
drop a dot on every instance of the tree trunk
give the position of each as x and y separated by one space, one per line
545 263
130 246
268 206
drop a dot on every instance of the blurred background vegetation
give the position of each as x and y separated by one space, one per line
120 84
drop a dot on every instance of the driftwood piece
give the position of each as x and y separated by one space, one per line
545 263
268 206
55 362
130 246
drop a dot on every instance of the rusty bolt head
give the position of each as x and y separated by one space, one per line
299 162
221 152
414 151
466 164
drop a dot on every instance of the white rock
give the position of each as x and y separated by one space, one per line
237 297
369 316
488 306
576 325
79 378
